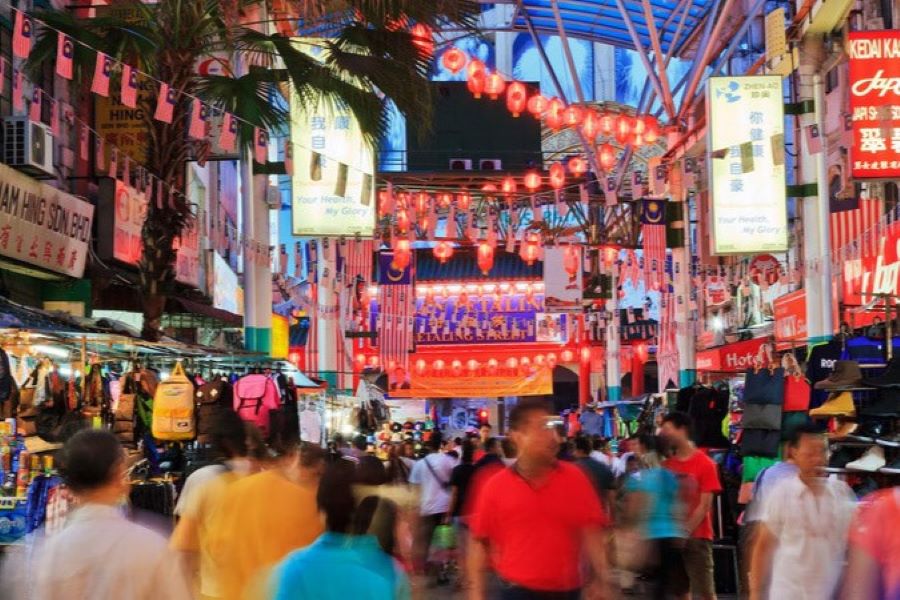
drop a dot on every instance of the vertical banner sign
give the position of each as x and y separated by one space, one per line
749 209
562 278
875 103
333 168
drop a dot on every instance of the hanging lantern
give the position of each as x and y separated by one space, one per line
422 199
530 250
553 116
578 166
492 365
454 60
638 125
456 367
539 360
607 124
443 251
423 38
572 116
640 350
571 260
472 365
590 125
567 356
551 359
444 199
361 358
402 220
609 254
420 366
516 98
537 104
532 181
508 185
402 253
438 365
606 154
476 77
512 363
463 199
623 128
557 176
373 361
651 135
494 85
485 257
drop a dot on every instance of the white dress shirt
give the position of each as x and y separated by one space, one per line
811 531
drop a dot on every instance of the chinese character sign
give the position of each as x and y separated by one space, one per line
747 176
875 103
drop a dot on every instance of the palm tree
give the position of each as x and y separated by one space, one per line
367 55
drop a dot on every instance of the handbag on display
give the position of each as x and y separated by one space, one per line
762 416
796 387
765 381
760 442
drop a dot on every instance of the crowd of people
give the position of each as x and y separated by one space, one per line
528 516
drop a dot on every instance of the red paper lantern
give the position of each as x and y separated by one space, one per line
444 199
551 359
361 358
606 154
494 85
508 185
553 116
438 365
463 199
472 365
402 253
476 77
456 367
516 98
578 166
423 38
454 60
420 366
532 181
557 176
638 125
623 129
512 363
492 365
537 104
422 199
567 356
607 124
443 251
485 257
402 220
489 188
530 250
590 125
572 116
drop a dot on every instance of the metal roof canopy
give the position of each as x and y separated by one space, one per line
602 20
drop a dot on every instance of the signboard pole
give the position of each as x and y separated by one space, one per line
821 329
684 335
613 375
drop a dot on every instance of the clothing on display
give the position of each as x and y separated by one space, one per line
310 422
707 406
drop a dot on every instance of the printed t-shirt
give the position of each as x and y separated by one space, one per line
876 531
661 488
534 530
266 516
697 474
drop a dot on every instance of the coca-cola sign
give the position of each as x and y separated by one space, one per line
866 276
875 103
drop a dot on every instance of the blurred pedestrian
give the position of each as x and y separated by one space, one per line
601 452
398 466
346 561
873 569
269 515
698 481
538 519
801 540
100 554
432 475
599 474
484 434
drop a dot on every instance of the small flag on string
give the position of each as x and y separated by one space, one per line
228 136
813 139
68 114
159 194
54 118
99 152
288 157
83 142
18 98
171 194
126 170
637 185
129 86
102 72
23 28
65 55
34 111
537 211
451 224
260 145
114 162
148 186
165 103
197 130
610 191
659 180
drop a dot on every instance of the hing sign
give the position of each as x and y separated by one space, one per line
875 103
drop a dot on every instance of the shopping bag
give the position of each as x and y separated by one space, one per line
764 386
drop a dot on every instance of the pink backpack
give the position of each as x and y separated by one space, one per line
254 397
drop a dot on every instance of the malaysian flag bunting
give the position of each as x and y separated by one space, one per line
667 343
228 136
311 349
609 191
658 187
653 234
23 30
537 211
396 313
850 218
159 194
18 98
83 142
298 259
197 129
99 151
165 103
102 72
170 192
260 145
65 54
282 260
288 157
637 185
113 162
126 170
54 117
129 86
34 110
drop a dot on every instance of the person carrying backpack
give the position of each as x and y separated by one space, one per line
432 475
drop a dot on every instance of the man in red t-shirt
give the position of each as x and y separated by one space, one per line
873 569
699 477
537 519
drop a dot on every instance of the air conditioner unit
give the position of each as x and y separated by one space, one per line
490 164
28 147
460 164
273 197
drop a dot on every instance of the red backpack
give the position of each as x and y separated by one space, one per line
254 397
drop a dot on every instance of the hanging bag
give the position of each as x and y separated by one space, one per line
796 387
173 408
764 384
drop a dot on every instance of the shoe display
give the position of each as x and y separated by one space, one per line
890 378
839 459
891 441
871 461
886 405
846 374
843 430
837 405
892 467
868 431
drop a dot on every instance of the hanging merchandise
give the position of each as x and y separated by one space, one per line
173 407
214 398
254 397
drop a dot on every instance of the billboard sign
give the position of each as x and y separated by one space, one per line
747 174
